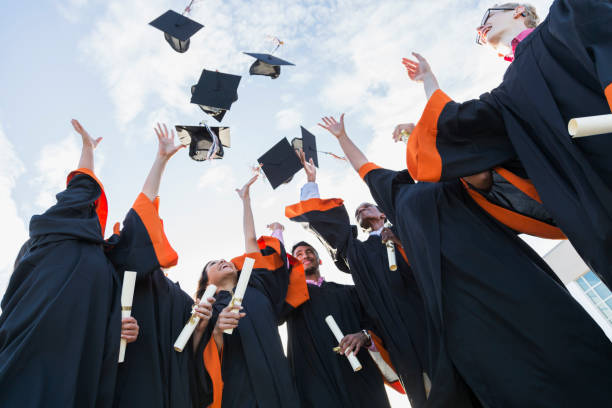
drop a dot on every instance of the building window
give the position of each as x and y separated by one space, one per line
599 293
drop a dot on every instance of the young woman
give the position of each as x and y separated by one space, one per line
248 368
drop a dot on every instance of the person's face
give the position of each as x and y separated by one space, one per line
496 24
366 212
221 270
308 257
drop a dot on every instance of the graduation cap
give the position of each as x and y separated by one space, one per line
307 143
266 64
215 92
177 29
280 163
201 139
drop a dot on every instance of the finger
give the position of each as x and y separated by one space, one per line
165 131
311 162
172 134
333 121
211 300
342 119
323 126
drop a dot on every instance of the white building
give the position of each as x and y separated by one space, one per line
583 284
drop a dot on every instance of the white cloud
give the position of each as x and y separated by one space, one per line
287 119
15 232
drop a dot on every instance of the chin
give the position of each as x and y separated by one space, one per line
311 270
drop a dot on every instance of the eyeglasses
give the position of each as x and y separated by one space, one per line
486 16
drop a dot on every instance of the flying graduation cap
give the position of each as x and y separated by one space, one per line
215 92
177 29
204 142
280 163
266 64
307 143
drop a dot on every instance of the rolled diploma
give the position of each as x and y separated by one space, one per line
339 336
590 125
127 295
391 255
241 287
192 323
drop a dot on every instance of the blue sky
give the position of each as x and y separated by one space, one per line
100 62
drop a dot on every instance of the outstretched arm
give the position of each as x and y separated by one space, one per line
351 151
89 144
165 151
250 239
420 71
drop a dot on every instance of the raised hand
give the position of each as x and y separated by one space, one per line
166 148
243 193
405 127
204 312
87 139
275 226
387 235
333 127
417 70
309 166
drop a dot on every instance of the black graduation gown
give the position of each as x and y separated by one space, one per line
498 314
560 71
253 370
391 299
324 378
61 319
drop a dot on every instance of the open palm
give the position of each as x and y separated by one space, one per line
166 147
332 126
243 193
87 139
417 70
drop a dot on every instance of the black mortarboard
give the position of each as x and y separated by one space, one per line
280 163
177 29
215 92
200 141
308 143
266 64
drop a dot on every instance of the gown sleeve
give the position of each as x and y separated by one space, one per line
453 139
329 220
142 245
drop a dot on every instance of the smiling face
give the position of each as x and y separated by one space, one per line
366 213
496 25
221 271
308 257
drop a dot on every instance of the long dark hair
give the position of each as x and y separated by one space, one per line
203 282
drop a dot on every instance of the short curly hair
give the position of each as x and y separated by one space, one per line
531 16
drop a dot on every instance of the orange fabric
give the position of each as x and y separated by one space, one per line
314 204
297 292
269 262
117 229
146 210
608 92
401 251
516 221
396 385
265 241
422 157
522 184
366 168
212 362
156 203
101 203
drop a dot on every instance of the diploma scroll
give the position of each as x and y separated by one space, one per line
331 322
193 321
391 255
405 135
127 295
590 125
243 282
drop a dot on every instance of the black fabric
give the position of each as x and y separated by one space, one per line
497 314
254 368
559 72
391 299
60 323
153 373
324 378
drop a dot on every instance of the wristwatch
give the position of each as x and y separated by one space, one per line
365 333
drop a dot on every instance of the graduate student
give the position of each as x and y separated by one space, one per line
391 299
248 368
323 376
505 324
153 373
560 70
61 320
